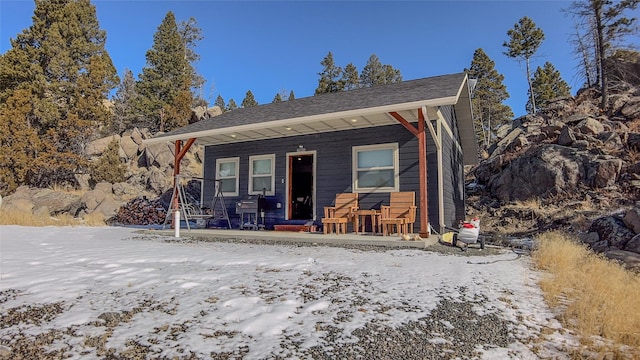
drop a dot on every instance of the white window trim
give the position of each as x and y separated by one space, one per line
235 160
273 175
396 168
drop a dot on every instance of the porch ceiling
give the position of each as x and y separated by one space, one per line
296 127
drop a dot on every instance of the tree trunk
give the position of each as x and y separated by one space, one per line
597 12
533 100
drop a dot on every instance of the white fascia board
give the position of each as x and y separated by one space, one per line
451 100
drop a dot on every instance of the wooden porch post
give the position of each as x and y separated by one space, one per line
422 167
421 134
179 153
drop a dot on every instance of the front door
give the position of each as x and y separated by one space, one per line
301 186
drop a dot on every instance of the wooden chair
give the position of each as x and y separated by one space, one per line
400 215
340 214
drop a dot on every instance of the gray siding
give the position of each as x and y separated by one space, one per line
333 168
453 171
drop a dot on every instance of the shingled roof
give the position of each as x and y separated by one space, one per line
366 107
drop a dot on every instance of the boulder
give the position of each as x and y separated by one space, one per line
566 137
123 188
214 111
57 202
83 181
632 220
590 126
91 199
159 155
613 231
108 207
633 245
19 204
104 187
97 147
603 172
540 172
629 259
158 182
129 147
631 109
41 212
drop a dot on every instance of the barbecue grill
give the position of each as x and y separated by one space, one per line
251 210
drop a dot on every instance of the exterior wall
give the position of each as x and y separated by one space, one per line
333 168
453 171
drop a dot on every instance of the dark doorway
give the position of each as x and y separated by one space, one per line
301 187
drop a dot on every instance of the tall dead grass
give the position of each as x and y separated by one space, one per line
594 296
23 218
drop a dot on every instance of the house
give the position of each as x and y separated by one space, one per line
414 135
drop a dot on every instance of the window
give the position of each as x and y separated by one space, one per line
227 173
375 168
262 174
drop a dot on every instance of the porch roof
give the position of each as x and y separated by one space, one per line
360 108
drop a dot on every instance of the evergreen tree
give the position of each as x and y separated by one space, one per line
191 34
108 167
249 100
277 99
374 73
220 103
61 66
330 80
524 40
607 24
547 84
350 77
292 96
19 141
489 112
231 105
165 83
124 112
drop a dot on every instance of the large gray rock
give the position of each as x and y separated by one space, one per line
129 147
590 126
633 245
159 155
631 110
104 187
632 220
158 181
97 147
123 188
613 231
603 172
546 170
57 202
91 199
108 207
628 259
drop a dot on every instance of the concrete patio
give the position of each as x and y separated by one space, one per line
311 238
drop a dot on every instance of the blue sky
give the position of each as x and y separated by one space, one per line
270 46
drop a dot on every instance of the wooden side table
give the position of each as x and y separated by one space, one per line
361 217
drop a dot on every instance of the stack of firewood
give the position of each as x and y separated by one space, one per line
141 211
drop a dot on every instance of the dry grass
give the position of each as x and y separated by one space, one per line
595 296
28 219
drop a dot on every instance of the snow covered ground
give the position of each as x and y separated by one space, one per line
96 292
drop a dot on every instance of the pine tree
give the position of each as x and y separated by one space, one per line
19 141
191 34
165 83
232 105
108 167
607 24
292 96
489 112
277 99
330 80
524 40
61 65
350 77
547 84
374 73
220 103
249 100
124 112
